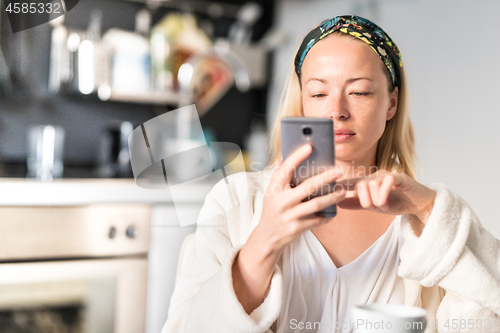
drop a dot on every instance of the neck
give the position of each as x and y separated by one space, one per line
357 168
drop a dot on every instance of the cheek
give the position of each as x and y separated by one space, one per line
313 112
372 117
312 108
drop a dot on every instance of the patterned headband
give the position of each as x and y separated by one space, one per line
363 29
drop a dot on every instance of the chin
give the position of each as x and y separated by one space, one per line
345 155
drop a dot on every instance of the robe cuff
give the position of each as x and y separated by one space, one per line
267 312
431 256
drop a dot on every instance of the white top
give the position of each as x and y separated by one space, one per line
453 253
319 296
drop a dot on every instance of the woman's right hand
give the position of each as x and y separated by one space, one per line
284 217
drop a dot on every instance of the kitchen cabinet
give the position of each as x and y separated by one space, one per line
106 201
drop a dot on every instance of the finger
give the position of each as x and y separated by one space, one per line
320 184
364 194
310 222
386 188
274 185
277 168
317 204
374 187
354 204
400 182
291 163
350 203
350 184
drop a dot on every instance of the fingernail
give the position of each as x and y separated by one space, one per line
384 207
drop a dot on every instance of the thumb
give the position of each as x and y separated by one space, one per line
350 203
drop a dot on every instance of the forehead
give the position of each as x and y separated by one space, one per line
341 56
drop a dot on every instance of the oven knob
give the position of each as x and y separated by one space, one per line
112 232
131 231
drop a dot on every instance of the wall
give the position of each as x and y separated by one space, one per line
451 60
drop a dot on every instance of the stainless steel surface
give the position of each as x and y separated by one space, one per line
114 156
74 268
5 80
112 291
240 31
45 152
28 233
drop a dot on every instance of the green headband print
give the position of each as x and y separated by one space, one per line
363 29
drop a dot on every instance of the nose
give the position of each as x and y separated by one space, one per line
338 107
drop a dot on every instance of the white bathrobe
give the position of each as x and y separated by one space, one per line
452 269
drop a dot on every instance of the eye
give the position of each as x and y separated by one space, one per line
318 95
359 93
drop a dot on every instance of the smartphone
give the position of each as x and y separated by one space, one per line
298 131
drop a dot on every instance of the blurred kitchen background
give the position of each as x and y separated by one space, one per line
90 251
108 62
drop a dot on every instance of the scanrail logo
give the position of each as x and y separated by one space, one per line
26 14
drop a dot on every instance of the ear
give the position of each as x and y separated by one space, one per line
393 104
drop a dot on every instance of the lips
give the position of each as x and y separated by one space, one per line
342 135
340 131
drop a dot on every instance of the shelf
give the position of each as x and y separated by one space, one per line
153 98
213 7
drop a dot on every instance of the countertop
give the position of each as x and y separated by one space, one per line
31 192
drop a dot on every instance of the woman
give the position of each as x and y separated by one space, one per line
267 265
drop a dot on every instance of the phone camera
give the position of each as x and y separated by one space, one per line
307 131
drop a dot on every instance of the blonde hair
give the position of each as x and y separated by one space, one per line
396 147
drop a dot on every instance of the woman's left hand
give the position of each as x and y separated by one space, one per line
389 193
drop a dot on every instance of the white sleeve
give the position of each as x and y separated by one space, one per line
456 253
204 299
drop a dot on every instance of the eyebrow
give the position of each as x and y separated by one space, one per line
316 79
357 79
348 81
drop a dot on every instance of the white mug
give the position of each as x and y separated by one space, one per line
389 318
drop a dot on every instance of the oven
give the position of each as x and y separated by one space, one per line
74 269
